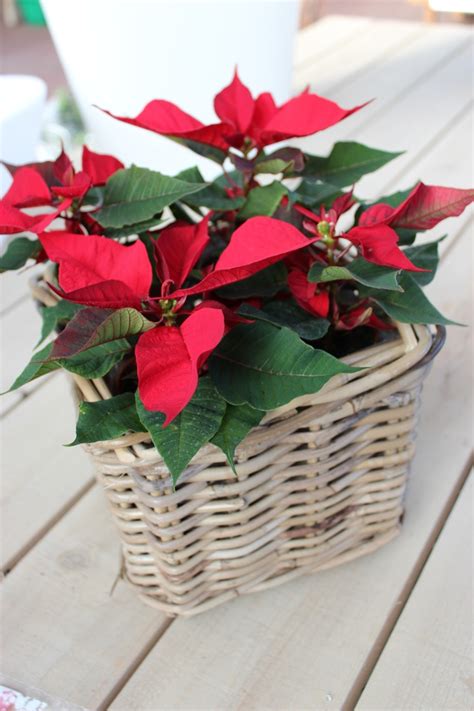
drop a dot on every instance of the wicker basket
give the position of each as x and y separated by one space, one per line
320 481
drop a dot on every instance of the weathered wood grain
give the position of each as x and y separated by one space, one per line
428 661
40 477
62 629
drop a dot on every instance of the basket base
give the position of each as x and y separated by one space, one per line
329 561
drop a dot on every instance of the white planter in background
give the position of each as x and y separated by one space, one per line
21 112
120 54
22 104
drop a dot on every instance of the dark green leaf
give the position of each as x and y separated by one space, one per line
262 200
18 251
191 175
314 193
237 422
361 271
134 195
202 149
107 419
230 178
273 166
36 368
212 196
266 283
94 197
96 362
405 237
285 160
409 306
425 256
189 431
55 316
92 327
137 229
93 363
265 366
347 163
289 314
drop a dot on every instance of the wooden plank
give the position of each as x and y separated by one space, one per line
418 120
409 124
328 35
428 660
400 82
303 644
40 477
349 58
62 630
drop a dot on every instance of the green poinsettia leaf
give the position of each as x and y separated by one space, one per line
191 175
213 196
189 431
314 193
134 195
107 419
18 251
138 228
425 256
405 237
237 422
57 315
93 363
37 367
347 163
202 149
263 201
266 366
288 314
359 270
409 306
96 362
265 283
287 160
273 166
92 327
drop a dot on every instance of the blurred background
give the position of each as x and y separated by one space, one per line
60 58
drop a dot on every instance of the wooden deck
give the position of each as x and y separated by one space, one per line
389 631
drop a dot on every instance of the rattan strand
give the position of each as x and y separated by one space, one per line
320 482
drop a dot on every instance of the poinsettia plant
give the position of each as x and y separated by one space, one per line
207 304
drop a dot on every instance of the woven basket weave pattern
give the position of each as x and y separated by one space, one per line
320 481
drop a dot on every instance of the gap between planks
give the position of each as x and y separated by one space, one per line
134 664
12 562
386 631
419 79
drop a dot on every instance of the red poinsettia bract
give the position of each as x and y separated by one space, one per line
169 358
245 122
53 184
95 271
